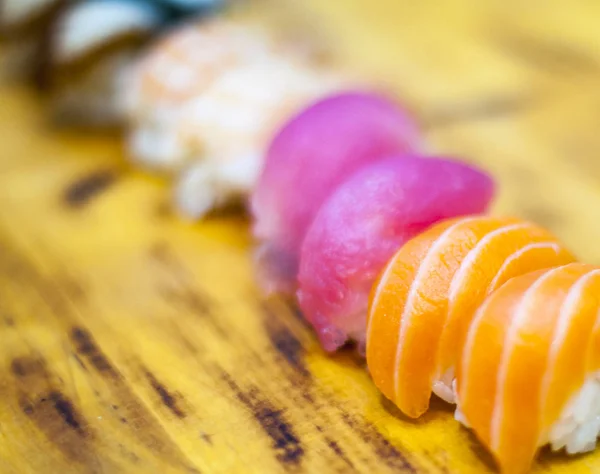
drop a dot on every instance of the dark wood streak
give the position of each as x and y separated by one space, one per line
25 366
65 408
86 188
285 442
169 399
31 375
80 362
86 346
339 452
54 414
142 424
285 342
385 450
288 347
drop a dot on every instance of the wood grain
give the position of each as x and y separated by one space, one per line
135 342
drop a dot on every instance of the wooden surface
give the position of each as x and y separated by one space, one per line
133 342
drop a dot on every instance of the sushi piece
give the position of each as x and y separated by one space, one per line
427 294
308 158
177 71
78 50
529 373
225 131
91 44
362 224
182 64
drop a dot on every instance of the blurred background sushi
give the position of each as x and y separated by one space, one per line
196 91
75 52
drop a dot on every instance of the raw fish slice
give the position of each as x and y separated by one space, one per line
425 299
310 156
529 372
362 225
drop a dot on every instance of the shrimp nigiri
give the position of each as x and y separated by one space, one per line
177 69
309 157
426 296
364 222
529 374
181 68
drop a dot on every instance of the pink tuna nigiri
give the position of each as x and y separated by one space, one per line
360 227
308 159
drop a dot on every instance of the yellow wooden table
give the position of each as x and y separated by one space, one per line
133 342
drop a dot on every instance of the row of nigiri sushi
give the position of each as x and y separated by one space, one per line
77 50
330 218
391 249
482 311
456 311
332 175
496 316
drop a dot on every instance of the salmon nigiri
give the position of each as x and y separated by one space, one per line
530 368
426 296
360 226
